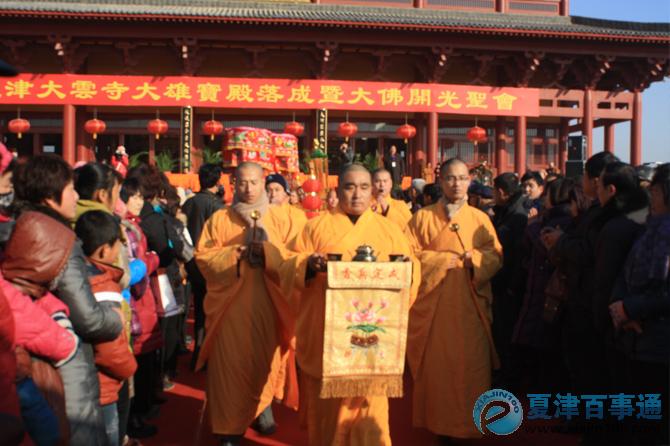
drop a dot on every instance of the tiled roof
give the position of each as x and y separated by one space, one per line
306 14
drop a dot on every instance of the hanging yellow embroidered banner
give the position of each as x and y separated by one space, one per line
367 307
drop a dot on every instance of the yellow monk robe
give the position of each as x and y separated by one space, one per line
398 212
249 325
291 223
448 349
361 421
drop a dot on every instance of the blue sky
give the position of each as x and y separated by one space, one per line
656 99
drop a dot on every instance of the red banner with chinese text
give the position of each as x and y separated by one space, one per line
284 94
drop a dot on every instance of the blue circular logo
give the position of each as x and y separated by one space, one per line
497 412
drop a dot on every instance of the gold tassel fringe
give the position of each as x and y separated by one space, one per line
388 386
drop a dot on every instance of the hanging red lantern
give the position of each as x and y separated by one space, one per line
311 202
294 128
311 185
95 126
19 126
476 134
212 128
157 127
406 132
347 129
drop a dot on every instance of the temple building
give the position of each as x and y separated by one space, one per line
525 71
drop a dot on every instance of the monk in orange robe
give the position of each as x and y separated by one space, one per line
449 346
249 324
339 421
395 210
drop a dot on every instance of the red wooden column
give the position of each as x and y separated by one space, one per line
587 121
520 145
433 140
417 153
609 137
418 3
83 152
69 133
152 150
563 133
636 130
501 6
501 146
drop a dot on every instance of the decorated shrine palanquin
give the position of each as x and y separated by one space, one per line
525 71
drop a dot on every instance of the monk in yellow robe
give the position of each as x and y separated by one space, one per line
339 421
395 210
449 346
248 322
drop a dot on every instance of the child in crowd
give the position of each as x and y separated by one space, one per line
101 239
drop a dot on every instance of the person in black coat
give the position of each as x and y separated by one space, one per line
640 312
395 164
538 339
198 210
510 220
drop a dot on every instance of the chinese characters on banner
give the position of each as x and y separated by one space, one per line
98 90
186 130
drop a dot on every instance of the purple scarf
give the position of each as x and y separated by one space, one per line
649 260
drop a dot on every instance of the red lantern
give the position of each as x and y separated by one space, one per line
476 134
158 127
347 129
19 126
212 128
311 214
311 185
95 126
311 202
406 132
294 128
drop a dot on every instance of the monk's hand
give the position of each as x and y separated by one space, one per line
241 253
467 260
383 204
453 261
317 262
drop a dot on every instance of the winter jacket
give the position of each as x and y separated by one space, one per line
198 209
160 237
647 300
143 302
35 330
43 253
510 223
576 250
615 240
530 328
114 359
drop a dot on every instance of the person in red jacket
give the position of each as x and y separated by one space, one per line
120 161
11 429
101 239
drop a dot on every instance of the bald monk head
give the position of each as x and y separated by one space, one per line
454 180
249 182
354 189
382 183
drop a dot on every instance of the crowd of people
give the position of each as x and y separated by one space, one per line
538 283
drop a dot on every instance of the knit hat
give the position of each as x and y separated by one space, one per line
277 178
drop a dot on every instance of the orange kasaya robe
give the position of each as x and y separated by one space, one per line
249 324
449 348
397 212
361 421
